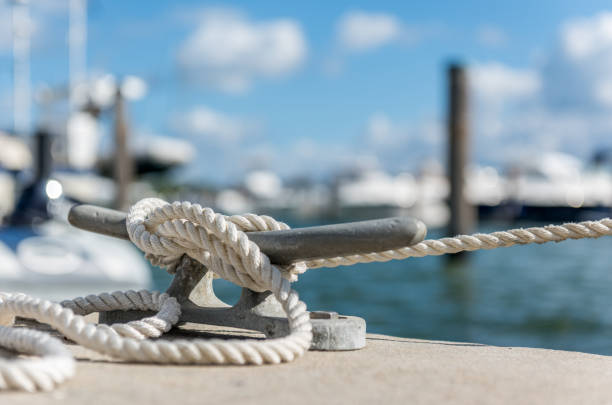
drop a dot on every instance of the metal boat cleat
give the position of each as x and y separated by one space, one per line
192 283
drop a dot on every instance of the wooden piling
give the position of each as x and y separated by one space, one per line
463 214
123 161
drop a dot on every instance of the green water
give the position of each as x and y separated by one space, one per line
555 296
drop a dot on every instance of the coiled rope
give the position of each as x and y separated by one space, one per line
166 232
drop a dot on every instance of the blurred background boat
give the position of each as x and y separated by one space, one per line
42 255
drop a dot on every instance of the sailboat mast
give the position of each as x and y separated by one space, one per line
77 40
21 26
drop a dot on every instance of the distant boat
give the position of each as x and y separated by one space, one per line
53 260
154 154
42 255
551 187
375 188
372 193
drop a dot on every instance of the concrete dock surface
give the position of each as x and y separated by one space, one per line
387 370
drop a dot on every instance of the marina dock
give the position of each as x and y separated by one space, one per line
388 370
257 204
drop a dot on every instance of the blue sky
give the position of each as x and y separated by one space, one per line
329 85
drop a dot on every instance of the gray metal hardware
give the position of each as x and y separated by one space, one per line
192 283
285 247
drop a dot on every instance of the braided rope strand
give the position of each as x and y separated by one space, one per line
55 363
437 247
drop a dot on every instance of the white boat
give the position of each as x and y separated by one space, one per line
379 193
56 261
40 254
556 179
376 188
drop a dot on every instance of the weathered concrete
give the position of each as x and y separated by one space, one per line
331 331
388 370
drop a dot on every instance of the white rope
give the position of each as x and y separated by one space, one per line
165 232
55 363
436 247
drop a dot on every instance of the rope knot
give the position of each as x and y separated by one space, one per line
166 231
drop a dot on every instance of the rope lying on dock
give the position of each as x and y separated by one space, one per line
165 232
55 363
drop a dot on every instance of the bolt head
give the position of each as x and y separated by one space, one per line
323 315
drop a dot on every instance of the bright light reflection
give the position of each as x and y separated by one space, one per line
53 189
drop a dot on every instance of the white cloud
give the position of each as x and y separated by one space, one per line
229 52
587 37
579 73
379 130
384 143
211 125
361 31
564 104
496 82
560 103
323 157
382 132
389 140
521 133
491 36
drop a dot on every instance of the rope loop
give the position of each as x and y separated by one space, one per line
167 231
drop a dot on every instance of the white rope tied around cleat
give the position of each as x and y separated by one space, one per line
165 232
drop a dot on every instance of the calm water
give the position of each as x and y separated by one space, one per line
556 295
